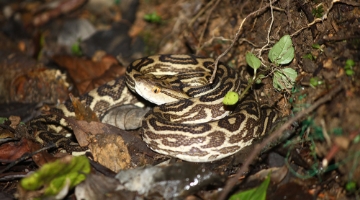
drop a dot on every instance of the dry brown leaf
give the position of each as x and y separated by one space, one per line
107 148
88 74
105 139
11 151
50 10
42 157
83 112
111 151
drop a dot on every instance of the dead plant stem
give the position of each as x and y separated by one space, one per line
205 25
236 38
269 30
324 17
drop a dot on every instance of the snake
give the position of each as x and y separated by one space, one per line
188 121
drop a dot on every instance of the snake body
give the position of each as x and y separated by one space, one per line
191 122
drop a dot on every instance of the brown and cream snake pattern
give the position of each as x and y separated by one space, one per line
190 122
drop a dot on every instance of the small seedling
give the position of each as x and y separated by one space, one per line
356 139
253 61
3 119
309 56
152 18
349 67
315 81
337 131
318 47
281 53
76 49
318 12
351 186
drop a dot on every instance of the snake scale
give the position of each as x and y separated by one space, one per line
190 121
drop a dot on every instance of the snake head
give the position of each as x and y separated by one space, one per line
158 91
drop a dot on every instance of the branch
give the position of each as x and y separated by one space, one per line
236 38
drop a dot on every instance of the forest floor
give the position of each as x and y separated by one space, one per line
48 50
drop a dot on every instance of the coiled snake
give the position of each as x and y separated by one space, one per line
191 122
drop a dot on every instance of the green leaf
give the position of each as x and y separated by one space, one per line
76 49
356 139
309 56
318 12
252 61
284 78
152 17
282 52
315 81
3 119
350 63
316 46
231 98
258 193
351 186
349 72
52 177
259 78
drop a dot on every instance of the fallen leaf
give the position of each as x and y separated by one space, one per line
54 9
111 151
111 146
88 74
83 112
12 151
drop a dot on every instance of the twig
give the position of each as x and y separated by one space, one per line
236 38
309 16
324 17
275 135
269 30
200 13
206 23
211 40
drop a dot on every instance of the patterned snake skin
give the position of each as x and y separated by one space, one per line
191 123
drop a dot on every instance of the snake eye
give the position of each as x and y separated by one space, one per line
156 90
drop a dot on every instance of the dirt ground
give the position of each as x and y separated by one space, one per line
321 157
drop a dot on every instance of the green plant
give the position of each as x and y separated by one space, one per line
318 11
318 47
76 49
315 81
309 56
53 177
153 18
258 193
349 64
351 186
3 119
282 53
